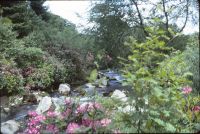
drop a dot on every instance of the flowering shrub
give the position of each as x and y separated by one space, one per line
85 117
156 78
187 90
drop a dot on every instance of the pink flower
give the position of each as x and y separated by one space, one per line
40 118
68 101
52 128
196 108
105 122
71 128
82 108
66 113
95 124
91 123
87 107
32 122
32 130
32 113
93 105
187 90
86 122
51 114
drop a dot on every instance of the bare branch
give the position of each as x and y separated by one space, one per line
166 16
186 18
140 17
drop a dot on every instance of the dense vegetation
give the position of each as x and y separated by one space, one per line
40 50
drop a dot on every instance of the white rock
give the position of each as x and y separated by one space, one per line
58 102
64 89
119 95
90 89
9 127
7 109
44 105
104 82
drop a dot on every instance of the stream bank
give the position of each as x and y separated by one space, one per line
105 85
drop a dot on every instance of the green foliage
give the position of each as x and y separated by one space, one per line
93 75
110 31
10 78
41 77
156 78
44 47
192 59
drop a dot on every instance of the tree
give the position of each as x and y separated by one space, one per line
111 28
39 9
115 20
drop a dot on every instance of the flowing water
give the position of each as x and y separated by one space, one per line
114 82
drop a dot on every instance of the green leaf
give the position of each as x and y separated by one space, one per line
152 112
169 127
157 92
93 75
166 113
159 121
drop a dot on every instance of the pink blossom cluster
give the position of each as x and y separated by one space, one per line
82 108
51 114
94 105
99 123
67 112
32 113
186 90
196 108
34 125
36 121
68 101
52 128
105 122
87 107
72 127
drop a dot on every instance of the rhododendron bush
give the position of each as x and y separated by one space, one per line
73 117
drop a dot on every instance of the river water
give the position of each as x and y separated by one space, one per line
114 82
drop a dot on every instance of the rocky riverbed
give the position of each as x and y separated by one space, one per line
14 109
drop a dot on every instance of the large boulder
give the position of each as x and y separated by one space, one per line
119 95
9 127
64 89
58 103
44 105
89 89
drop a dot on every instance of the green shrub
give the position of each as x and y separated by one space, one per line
10 78
157 79
192 60
41 77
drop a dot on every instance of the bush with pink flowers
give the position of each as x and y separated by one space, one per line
74 117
